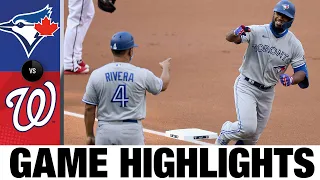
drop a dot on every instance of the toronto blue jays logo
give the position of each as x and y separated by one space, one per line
285 6
30 28
34 121
280 68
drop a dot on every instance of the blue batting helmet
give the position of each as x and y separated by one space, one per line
287 8
122 40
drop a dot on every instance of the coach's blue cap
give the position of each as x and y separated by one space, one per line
122 40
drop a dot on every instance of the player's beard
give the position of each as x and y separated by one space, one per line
276 29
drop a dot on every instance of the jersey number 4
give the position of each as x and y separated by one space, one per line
120 95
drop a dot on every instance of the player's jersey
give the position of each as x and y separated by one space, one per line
267 56
119 91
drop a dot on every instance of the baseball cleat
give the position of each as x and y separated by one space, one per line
83 64
79 70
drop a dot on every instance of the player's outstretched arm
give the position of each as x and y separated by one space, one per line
89 117
233 38
235 35
165 76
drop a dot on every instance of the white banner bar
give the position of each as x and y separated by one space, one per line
155 162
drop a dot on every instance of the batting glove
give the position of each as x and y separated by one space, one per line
286 80
241 30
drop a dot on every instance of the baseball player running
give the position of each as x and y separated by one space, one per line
271 49
118 90
81 13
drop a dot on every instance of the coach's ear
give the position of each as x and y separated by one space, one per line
130 52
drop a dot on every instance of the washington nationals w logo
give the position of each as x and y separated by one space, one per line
35 121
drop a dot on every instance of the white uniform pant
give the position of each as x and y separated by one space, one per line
253 107
81 13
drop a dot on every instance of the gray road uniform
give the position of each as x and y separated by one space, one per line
119 92
265 59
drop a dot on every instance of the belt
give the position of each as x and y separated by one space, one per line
115 121
130 120
256 84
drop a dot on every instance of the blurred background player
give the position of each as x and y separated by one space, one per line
81 13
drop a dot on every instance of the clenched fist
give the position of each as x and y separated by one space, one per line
286 80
